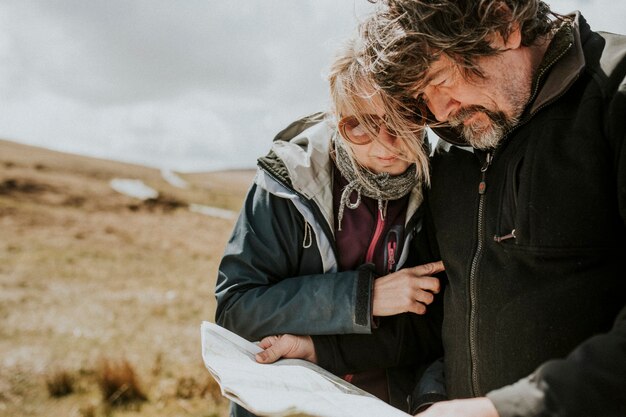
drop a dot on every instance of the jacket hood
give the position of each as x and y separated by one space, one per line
299 159
299 156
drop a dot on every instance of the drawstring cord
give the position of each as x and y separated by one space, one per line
307 241
355 185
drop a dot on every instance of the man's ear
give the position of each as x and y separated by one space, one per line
513 32
514 40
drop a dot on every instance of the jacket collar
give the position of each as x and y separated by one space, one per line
562 64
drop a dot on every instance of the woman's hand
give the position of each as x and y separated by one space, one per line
406 290
286 346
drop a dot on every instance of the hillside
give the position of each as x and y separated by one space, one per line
96 285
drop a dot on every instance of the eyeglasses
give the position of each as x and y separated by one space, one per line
355 132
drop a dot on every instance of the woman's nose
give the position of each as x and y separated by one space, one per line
384 135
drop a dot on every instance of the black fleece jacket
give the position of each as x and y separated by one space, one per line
536 256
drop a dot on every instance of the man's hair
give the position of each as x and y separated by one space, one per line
352 92
404 37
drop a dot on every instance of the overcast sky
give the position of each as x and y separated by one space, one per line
186 85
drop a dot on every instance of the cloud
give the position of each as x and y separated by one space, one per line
193 85
106 52
124 51
183 134
599 14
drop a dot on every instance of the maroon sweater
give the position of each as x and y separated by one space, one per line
364 231
367 238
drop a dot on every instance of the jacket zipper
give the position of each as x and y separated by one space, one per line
392 245
380 224
482 188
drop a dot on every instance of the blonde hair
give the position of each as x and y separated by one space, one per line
352 92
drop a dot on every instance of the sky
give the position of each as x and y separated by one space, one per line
194 85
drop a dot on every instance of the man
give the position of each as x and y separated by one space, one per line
531 219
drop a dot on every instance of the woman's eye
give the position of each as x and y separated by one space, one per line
358 130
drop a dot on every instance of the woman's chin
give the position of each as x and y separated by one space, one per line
395 166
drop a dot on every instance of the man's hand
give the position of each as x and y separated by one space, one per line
472 407
286 346
406 290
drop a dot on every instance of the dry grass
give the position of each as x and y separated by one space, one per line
60 383
119 383
87 273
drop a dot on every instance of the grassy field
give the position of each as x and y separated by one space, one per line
102 295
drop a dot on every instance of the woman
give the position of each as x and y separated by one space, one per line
327 231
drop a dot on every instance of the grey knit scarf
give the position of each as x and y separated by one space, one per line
382 187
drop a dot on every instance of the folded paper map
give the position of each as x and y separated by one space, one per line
284 388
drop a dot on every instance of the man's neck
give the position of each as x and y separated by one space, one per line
544 54
537 52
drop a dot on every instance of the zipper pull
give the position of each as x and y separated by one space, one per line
505 237
392 247
482 186
486 163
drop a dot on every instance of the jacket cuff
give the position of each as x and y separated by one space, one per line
328 356
525 398
364 290
430 389
424 402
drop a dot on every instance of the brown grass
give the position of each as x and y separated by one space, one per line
60 383
84 275
119 383
212 389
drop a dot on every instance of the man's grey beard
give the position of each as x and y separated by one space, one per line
484 136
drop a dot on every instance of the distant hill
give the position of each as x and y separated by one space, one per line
90 276
33 172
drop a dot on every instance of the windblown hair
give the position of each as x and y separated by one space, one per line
405 37
352 92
